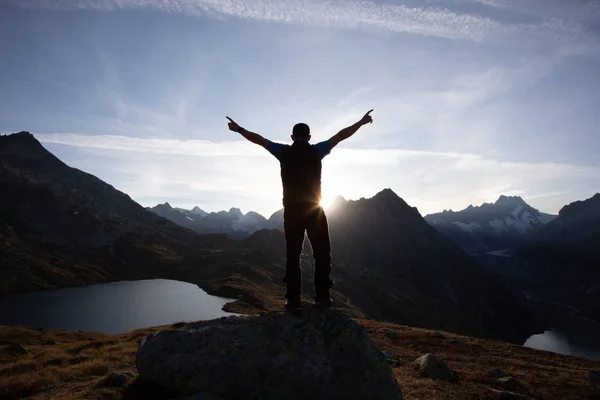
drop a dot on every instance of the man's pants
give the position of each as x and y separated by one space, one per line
297 219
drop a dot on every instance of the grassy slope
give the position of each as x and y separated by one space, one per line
74 367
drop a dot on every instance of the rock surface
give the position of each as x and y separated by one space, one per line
320 354
432 366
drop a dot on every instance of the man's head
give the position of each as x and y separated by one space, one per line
301 131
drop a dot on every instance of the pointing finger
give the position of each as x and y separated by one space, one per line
369 112
230 119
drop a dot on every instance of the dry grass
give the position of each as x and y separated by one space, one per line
544 375
75 367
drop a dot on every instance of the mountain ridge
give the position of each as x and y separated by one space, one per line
491 226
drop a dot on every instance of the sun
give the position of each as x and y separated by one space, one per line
326 200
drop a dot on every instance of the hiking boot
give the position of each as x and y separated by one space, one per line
293 305
324 302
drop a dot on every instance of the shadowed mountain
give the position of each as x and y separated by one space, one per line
561 261
395 265
491 226
61 227
233 222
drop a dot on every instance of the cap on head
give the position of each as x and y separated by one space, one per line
301 131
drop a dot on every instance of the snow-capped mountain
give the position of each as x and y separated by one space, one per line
491 226
233 222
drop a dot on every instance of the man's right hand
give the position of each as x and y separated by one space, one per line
233 126
367 119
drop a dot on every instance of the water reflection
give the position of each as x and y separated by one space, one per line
577 340
112 307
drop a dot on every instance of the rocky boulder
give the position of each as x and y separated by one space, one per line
319 354
434 367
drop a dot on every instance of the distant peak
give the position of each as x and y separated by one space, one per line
337 201
164 206
198 211
587 207
386 193
24 144
509 201
236 211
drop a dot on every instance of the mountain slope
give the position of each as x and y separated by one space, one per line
491 226
61 227
561 262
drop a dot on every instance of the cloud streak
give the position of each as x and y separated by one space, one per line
340 156
395 18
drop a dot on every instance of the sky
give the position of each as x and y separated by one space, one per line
471 98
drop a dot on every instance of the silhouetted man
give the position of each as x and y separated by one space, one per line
301 178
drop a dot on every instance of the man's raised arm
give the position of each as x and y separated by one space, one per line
351 130
251 136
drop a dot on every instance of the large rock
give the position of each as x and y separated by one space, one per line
434 367
319 354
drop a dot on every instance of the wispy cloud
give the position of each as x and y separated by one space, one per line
396 18
202 148
340 156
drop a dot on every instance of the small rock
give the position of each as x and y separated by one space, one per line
49 342
392 358
505 395
594 377
452 341
510 383
392 334
118 378
439 335
17 349
434 367
497 373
